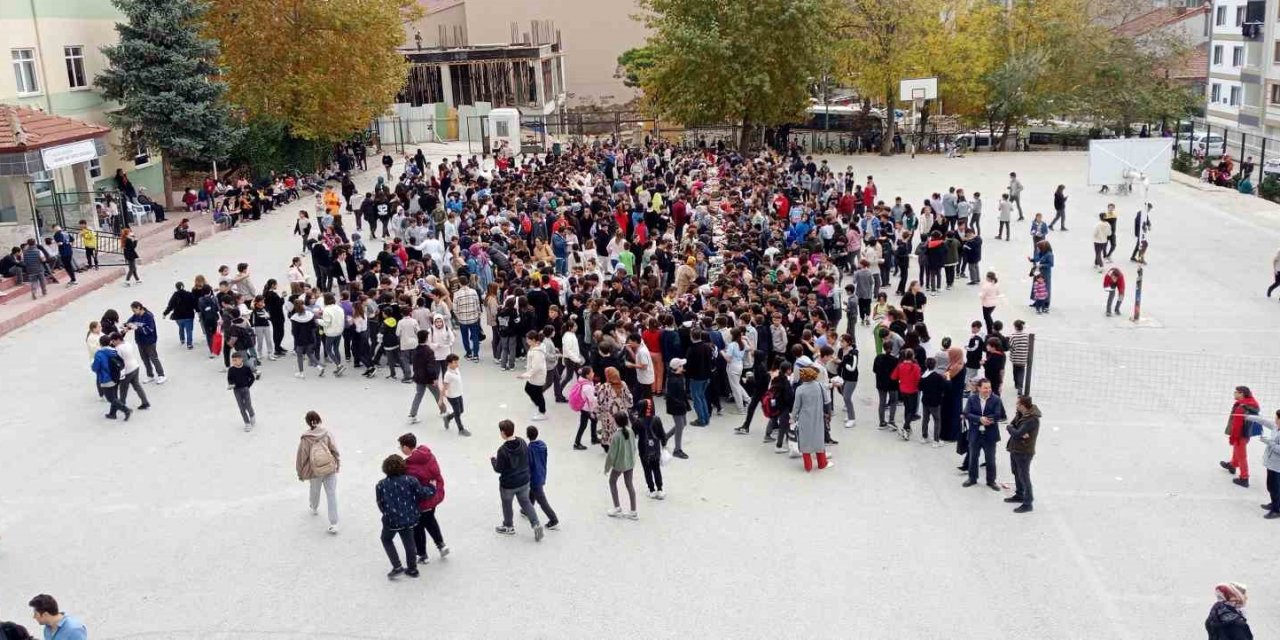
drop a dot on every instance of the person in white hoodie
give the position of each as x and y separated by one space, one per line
129 374
535 374
440 338
333 321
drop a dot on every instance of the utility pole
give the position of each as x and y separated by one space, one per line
1143 223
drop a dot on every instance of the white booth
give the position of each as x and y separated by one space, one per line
504 129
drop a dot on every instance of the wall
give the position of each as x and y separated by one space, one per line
593 34
89 24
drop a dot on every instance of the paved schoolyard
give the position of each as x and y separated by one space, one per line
178 524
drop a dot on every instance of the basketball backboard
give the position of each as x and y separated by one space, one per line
918 89
1110 160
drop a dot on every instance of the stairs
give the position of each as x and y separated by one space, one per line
11 289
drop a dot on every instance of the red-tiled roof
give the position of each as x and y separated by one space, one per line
1195 65
41 129
1157 18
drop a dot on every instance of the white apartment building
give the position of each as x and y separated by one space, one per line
1227 58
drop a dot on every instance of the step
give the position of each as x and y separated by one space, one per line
8 283
18 292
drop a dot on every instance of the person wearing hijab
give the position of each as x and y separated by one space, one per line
1226 621
612 398
953 398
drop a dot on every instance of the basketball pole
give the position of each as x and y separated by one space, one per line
1142 237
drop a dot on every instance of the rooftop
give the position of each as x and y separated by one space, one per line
1158 19
26 129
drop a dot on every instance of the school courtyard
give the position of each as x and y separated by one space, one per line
179 525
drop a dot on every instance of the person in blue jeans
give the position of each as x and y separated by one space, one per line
182 310
698 369
984 411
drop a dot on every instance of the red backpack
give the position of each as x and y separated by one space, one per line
769 404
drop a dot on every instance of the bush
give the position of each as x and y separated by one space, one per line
1270 188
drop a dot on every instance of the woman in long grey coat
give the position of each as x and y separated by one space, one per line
807 416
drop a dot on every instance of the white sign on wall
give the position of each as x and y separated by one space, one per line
69 154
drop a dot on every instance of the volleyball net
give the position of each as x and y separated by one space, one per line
1164 383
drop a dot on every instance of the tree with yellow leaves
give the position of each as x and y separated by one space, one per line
326 68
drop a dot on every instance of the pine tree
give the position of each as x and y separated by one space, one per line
164 76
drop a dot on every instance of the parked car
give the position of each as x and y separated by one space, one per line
1210 146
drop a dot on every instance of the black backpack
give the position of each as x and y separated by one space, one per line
208 307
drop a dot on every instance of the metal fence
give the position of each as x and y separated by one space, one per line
1197 143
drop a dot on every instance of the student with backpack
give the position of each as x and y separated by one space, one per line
107 365
776 406
582 399
538 476
318 463
650 439
679 403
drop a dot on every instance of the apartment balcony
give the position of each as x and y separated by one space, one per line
1254 54
1255 16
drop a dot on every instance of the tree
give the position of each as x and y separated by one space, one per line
746 61
1131 83
1015 91
883 44
634 62
163 76
326 69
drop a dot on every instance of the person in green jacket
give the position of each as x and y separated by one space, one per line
620 460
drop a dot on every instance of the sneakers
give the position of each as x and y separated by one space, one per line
149 381
315 511
144 406
333 528
578 447
161 380
538 533
444 551
553 525
653 495
937 445
128 413
1244 482
742 431
506 531
849 424
414 420
320 371
680 454
395 573
248 427
464 433
424 560
338 372
538 417
1023 508
631 515
661 495
615 512
300 375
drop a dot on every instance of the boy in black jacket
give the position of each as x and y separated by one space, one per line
239 379
512 466
932 388
886 387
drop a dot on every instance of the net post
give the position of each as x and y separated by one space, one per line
1031 360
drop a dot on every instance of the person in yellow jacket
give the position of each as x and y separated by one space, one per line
332 203
89 238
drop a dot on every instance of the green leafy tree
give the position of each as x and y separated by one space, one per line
162 74
634 62
1130 82
745 61
1016 92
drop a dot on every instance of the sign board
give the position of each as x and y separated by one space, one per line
68 154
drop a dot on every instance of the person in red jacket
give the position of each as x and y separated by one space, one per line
1113 282
907 375
420 463
1238 434
869 193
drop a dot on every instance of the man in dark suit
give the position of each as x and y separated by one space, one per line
984 412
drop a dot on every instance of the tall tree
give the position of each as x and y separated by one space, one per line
747 61
325 68
633 63
163 75
884 43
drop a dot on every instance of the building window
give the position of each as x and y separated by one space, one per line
1215 93
1220 16
1275 94
1217 54
24 70
1276 54
95 168
76 78
1237 57
1235 97
1239 15
41 183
